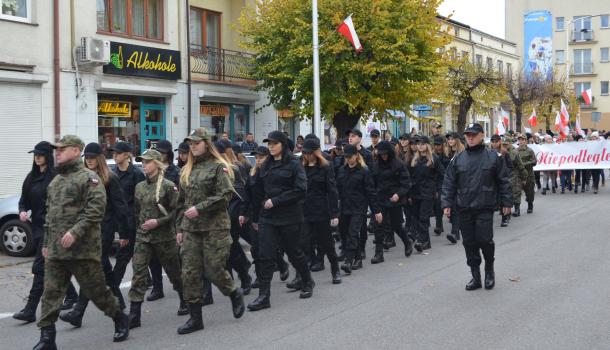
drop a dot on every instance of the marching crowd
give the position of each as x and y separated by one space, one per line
188 219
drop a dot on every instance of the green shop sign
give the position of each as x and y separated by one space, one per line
142 61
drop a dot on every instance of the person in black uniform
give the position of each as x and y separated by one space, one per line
183 154
33 198
472 183
321 204
129 176
439 152
357 193
393 183
280 191
427 176
375 138
172 173
115 220
355 138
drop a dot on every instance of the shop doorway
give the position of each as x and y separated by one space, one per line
152 124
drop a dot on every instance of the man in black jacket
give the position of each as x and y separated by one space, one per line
473 181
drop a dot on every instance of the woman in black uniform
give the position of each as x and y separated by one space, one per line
427 174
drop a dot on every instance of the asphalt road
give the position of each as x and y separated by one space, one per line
551 293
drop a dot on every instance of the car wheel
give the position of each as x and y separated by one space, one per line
17 238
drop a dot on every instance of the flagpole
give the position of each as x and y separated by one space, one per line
318 126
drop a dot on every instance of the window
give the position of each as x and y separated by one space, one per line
509 69
582 62
580 87
465 55
205 29
582 28
604 88
559 23
560 57
605 23
500 67
479 60
604 54
490 63
135 18
16 10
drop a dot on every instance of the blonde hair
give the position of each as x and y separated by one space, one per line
161 166
459 148
257 165
319 158
188 167
429 156
361 161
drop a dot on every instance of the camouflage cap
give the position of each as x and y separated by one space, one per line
149 154
508 140
198 134
69 141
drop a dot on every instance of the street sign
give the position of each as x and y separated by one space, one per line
422 108
596 116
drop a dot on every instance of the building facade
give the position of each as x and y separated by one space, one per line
580 41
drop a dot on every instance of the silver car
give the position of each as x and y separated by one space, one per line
16 236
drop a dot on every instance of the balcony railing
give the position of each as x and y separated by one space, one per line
220 64
582 69
582 35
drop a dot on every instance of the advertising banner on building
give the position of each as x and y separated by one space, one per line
572 155
142 61
538 44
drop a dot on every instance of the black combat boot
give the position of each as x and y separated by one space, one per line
530 207
295 283
155 294
438 229
262 301
307 289
75 316
135 311
47 339
121 327
68 303
195 322
183 309
28 314
357 265
336 274
317 266
451 238
378 258
475 282
284 271
504 221
490 276
347 266
208 298
237 302
517 211
246 283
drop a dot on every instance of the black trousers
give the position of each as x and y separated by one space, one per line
156 272
407 210
350 227
477 235
238 260
438 212
270 238
123 257
391 224
320 232
280 264
596 175
422 211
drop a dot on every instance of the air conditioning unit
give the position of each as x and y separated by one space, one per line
94 51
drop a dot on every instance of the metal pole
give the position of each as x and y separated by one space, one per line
318 126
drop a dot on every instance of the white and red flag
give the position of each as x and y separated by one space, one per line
563 129
505 117
347 30
564 115
587 95
579 130
532 120
500 129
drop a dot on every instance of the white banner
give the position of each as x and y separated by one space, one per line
572 155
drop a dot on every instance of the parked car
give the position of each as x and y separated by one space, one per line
16 236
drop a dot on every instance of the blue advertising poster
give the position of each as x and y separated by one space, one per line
538 44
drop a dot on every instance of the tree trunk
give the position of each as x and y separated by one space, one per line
344 121
519 115
465 105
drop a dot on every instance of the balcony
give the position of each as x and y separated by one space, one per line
582 36
225 66
582 69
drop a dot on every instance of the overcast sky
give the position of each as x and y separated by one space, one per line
484 15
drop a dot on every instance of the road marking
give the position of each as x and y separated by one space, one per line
5 315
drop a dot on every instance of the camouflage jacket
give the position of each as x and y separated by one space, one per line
209 190
76 202
519 173
528 158
146 208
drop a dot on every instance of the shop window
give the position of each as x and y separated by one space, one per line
16 10
205 29
286 122
134 18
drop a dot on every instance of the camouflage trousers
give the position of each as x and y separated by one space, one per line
517 186
529 189
205 253
90 277
167 253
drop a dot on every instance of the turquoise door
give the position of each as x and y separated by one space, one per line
152 124
239 120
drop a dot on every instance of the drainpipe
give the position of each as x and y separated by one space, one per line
188 65
56 67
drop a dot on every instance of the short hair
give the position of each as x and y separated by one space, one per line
249 134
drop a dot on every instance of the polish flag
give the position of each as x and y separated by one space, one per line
532 119
505 117
500 129
347 30
565 116
563 129
578 129
587 95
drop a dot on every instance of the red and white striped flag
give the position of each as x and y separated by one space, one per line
532 120
500 129
347 30
565 116
505 117
563 129
587 95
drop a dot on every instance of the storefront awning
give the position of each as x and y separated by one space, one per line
134 89
229 97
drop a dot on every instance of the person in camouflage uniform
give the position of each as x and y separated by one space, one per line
203 226
76 201
155 205
518 175
528 158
